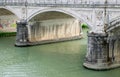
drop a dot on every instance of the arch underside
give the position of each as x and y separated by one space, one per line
69 12
53 26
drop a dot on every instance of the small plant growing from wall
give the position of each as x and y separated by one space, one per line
84 26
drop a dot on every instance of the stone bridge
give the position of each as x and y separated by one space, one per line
101 16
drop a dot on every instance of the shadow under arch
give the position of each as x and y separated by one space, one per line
65 11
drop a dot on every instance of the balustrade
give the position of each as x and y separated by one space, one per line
57 2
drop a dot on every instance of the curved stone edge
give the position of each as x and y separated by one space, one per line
101 68
47 41
21 45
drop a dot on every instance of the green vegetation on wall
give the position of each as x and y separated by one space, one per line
84 26
13 25
7 34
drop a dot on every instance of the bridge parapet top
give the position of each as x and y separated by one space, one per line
59 3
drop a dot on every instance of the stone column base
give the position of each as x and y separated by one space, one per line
97 53
103 66
17 44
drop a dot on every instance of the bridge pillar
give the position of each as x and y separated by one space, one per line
114 47
22 33
97 55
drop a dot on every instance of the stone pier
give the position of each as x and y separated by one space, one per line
103 51
22 34
97 51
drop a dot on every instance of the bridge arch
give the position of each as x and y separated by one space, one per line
65 11
8 18
114 23
113 19
12 11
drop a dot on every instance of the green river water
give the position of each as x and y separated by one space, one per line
62 59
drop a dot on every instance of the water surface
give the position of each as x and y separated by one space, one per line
62 59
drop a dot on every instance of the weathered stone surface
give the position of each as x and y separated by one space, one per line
114 45
22 33
54 29
97 54
47 32
103 50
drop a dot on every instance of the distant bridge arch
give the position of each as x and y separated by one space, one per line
10 11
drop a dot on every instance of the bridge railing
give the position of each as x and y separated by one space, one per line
55 3
12 2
